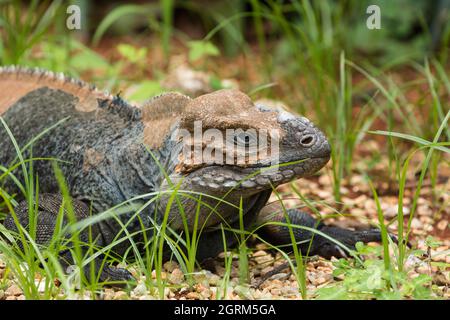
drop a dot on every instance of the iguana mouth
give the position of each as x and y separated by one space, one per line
225 177
232 182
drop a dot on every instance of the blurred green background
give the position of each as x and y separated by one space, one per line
280 30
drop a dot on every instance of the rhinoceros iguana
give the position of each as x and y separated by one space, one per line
112 152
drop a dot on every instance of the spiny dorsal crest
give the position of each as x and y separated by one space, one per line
17 81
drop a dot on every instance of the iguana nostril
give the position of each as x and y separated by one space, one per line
307 141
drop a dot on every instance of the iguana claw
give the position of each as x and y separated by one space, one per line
116 276
311 243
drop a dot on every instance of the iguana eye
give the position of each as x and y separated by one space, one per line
245 139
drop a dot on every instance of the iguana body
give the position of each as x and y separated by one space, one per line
113 152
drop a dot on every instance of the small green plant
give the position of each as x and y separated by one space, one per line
371 280
201 50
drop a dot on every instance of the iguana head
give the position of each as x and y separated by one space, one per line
222 141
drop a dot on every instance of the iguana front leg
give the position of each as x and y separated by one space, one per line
49 206
309 242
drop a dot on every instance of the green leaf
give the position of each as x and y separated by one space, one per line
432 242
200 49
88 60
215 83
374 280
145 90
333 293
131 53
438 146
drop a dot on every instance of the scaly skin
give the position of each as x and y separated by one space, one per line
114 152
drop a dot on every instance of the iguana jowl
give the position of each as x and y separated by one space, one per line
113 152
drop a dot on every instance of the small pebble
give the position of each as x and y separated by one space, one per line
442 225
13 290
214 280
193 296
163 275
120 295
177 276
169 266
243 292
280 276
140 289
416 224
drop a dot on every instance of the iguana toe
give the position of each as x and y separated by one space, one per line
116 276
